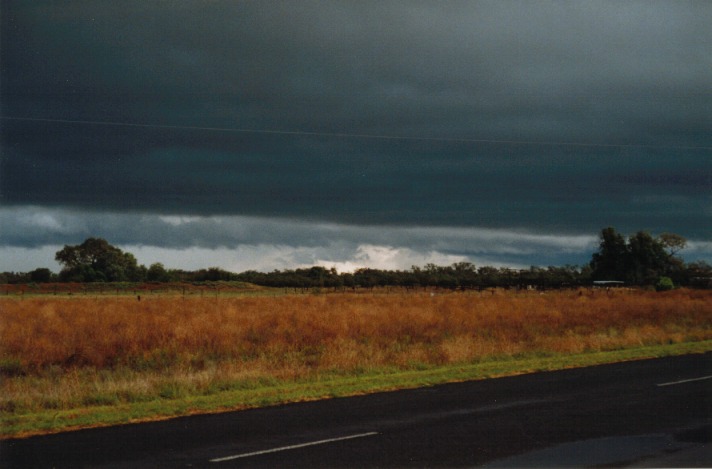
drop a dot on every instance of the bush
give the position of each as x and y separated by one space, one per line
664 284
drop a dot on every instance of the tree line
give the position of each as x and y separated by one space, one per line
639 259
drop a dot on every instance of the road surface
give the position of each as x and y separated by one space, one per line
620 414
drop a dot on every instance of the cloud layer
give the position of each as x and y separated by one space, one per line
243 243
255 123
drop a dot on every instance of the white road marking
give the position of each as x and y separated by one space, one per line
685 381
285 448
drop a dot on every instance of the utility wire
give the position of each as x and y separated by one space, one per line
354 135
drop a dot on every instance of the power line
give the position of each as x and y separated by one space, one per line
356 135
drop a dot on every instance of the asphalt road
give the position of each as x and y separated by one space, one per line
620 414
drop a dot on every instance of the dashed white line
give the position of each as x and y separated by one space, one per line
685 381
286 448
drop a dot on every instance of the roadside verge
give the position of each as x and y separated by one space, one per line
321 387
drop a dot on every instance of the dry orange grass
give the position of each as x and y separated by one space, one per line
64 350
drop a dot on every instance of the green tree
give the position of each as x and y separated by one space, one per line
95 260
672 242
610 262
214 274
41 275
648 259
157 273
488 276
642 260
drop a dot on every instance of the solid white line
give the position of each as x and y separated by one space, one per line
285 448
685 381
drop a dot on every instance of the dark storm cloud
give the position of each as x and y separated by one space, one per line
471 69
551 72
348 246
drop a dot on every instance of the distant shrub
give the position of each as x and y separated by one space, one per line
664 284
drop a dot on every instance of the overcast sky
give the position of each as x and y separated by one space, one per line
269 135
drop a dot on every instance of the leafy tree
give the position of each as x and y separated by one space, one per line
368 278
95 260
672 242
214 274
348 280
14 277
642 260
609 263
466 274
41 275
648 259
488 276
157 273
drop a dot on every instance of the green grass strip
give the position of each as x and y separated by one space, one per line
321 387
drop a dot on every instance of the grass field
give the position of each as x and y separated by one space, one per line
70 361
